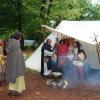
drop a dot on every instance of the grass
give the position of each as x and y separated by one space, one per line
27 53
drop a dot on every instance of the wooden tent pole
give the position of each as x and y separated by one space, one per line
97 48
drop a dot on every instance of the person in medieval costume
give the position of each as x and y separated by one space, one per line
47 72
78 64
46 50
15 66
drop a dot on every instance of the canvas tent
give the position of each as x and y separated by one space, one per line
81 30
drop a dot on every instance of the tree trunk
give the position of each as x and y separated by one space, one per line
19 20
49 7
42 13
43 9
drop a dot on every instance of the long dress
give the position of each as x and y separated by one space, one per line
15 66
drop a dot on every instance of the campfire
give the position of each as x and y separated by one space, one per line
56 82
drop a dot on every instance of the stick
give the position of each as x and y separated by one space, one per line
97 48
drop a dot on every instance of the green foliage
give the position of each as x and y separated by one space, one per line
31 47
7 16
29 15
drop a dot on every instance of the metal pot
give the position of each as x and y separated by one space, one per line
56 75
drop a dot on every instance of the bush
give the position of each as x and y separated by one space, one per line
33 46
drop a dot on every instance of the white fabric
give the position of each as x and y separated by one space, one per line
46 71
34 61
78 63
48 53
80 30
70 56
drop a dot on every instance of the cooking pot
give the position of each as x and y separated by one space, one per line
56 75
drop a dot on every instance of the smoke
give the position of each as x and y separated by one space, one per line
88 77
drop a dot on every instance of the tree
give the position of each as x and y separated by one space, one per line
73 10
7 16
28 15
49 6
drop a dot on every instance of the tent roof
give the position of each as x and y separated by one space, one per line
81 30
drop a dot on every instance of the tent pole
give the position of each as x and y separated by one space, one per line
97 48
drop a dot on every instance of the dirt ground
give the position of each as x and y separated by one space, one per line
38 90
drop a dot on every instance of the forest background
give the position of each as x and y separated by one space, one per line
27 16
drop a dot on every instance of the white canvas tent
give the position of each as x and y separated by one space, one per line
81 30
